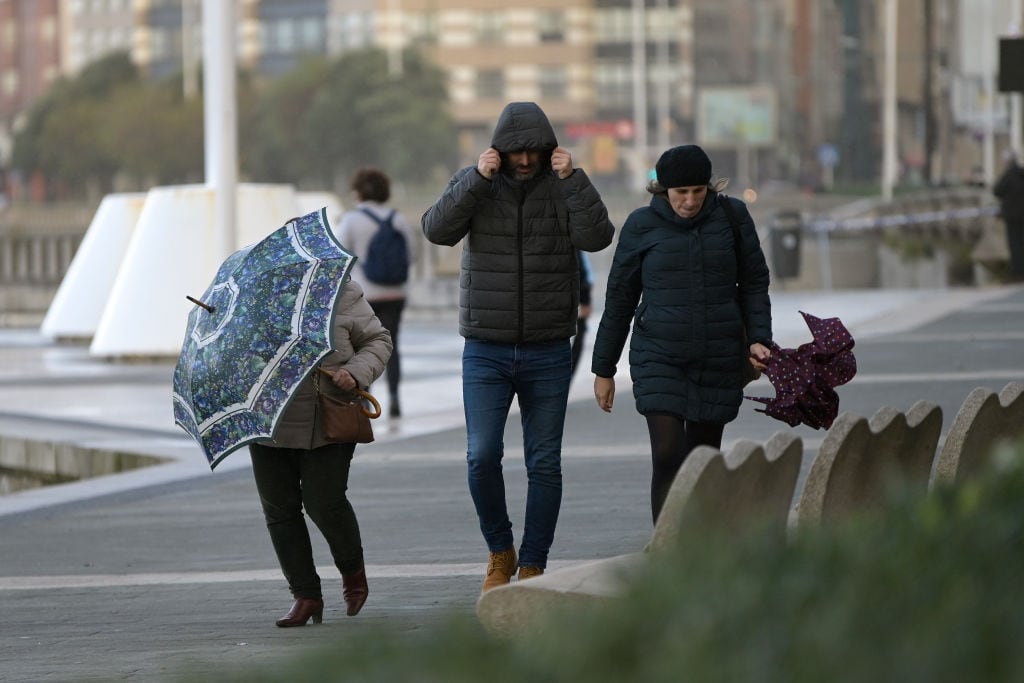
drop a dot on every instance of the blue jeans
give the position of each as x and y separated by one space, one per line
539 374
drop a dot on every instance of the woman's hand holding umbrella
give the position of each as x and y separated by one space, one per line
759 356
805 378
343 380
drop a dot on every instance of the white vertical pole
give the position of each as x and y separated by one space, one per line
664 109
220 117
640 84
1016 123
396 38
988 67
889 102
189 78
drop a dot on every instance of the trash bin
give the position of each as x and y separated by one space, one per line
784 232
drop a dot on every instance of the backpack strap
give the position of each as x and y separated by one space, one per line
381 222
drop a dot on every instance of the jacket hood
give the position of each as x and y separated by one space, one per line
523 125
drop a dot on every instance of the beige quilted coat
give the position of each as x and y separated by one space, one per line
361 345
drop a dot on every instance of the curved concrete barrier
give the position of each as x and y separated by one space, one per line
984 419
859 458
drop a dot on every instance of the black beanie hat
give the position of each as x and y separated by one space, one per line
683 166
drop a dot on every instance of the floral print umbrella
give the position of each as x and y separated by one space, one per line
260 328
805 378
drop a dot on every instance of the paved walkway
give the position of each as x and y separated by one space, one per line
139 574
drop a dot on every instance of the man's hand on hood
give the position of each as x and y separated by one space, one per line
489 163
561 162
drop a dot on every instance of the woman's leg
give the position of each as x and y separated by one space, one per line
672 439
324 483
277 474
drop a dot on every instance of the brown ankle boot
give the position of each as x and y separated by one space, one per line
530 572
355 591
500 569
301 611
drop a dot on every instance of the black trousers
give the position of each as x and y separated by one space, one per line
292 479
389 311
1015 242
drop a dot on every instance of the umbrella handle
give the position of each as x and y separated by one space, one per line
376 405
364 394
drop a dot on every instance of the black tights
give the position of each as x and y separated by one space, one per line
672 439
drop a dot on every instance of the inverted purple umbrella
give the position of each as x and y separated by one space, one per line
805 378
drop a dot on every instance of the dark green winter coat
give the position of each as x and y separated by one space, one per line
520 281
675 280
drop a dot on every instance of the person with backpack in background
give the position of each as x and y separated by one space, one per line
586 284
383 242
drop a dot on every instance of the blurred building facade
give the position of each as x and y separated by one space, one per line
787 89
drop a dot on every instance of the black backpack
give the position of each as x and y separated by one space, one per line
387 258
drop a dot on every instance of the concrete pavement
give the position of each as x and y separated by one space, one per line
139 574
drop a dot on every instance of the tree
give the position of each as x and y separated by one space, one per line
324 120
154 134
59 139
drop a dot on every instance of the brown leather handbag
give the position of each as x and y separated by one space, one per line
347 420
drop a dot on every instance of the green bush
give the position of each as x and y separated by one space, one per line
927 589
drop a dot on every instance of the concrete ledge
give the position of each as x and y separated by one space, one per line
55 462
520 606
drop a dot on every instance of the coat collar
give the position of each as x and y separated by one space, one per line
662 209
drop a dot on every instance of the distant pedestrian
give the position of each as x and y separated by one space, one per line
383 263
520 213
586 285
674 278
1010 191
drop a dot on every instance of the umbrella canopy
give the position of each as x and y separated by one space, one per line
260 328
805 378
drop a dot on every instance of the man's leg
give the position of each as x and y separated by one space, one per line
543 375
487 397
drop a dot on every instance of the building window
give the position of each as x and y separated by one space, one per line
613 25
490 84
423 27
614 84
551 26
312 34
355 31
9 83
490 27
553 82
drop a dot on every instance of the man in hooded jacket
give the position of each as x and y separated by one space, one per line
521 213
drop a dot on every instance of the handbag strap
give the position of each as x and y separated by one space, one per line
734 223
366 395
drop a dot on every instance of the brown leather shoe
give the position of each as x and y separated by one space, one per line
530 572
500 569
355 591
301 611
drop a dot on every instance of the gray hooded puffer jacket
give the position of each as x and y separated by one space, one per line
520 275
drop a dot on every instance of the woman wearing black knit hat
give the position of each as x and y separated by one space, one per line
690 277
